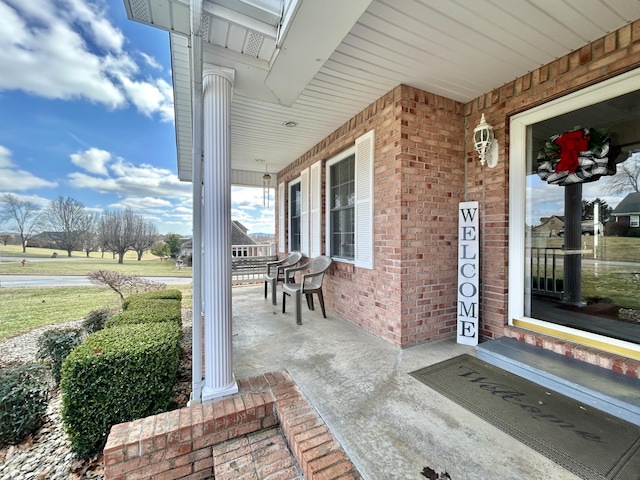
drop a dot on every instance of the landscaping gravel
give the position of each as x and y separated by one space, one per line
48 455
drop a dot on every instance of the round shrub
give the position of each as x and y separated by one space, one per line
616 229
173 294
117 375
24 397
96 319
153 311
55 345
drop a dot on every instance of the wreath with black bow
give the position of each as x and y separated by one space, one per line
578 156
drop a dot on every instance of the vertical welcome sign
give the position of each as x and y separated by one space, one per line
468 273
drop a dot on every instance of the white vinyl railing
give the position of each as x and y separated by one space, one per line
249 262
253 250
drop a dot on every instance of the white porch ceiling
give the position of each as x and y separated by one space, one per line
336 57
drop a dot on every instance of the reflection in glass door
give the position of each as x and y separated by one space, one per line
582 219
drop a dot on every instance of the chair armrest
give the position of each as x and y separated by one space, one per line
301 267
288 271
306 276
275 263
281 269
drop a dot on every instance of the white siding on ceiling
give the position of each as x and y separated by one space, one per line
218 32
459 49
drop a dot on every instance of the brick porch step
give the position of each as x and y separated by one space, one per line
267 428
603 389
262 455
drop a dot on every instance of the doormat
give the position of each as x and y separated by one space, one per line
587 442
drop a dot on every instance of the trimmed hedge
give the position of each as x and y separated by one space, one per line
148 311
96 319
154 295
55 345
24 395
117 375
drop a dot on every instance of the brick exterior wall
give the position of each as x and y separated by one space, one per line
410 295
606 57
230 438
424 165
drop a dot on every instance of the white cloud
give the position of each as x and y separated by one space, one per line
133 181
67 49
150 97
149 60
96 25
37 200
5 157
14 179
92 160
247 207
143 203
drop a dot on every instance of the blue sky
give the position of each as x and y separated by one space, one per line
86 111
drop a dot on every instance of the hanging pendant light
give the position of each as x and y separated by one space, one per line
266 184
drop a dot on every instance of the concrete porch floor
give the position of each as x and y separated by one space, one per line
389 424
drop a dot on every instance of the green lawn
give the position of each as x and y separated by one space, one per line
26 308
616 281
79 264
624 249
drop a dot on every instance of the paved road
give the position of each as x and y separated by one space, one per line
41 259
71 280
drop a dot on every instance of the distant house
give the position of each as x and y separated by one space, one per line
46 240
239 234
238 237
549 226
628 210
554 226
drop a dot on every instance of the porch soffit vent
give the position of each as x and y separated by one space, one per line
205 25
169 15
253 44
140 11
240 31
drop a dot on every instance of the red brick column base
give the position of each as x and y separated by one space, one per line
180 444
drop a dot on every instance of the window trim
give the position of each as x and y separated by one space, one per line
291 184
281 217
605 90
364 151
333 161
315 209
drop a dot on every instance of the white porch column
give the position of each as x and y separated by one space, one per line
196 330
217 87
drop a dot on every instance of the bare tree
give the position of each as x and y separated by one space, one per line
146 235
23 217
5 238
89 233
117 231
64 218
627 178
122 283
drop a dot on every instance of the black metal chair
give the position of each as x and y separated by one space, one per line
310 283
275 273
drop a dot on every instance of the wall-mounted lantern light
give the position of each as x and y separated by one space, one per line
485 143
